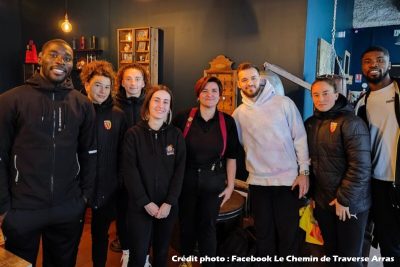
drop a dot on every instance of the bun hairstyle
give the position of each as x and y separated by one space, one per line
201 83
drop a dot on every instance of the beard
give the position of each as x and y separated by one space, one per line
377 79
252 95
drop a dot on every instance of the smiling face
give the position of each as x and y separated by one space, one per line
56 62
323 96
159 105
98 88
375 66
209 96
133 82
249 82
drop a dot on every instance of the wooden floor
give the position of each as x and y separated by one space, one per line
113 258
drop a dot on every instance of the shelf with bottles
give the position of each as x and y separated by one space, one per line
84 56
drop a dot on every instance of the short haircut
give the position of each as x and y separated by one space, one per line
142 69
144 112
100 68
58 41
246 66
202 82
376 48
330 79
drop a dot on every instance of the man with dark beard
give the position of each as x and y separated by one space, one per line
382 115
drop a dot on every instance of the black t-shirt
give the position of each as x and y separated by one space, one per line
204 141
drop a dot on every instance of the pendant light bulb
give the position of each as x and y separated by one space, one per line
66 25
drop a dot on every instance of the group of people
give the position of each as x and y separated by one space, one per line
128 158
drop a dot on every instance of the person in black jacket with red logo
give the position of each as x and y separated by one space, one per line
339 147
98 78
131 85
47 161
153 165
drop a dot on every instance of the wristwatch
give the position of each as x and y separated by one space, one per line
305 172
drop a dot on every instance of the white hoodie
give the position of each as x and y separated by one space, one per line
272 133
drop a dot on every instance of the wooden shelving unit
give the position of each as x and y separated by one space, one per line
139 45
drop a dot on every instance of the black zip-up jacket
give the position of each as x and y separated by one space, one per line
153 165
339 147
130 105
47 145
111 127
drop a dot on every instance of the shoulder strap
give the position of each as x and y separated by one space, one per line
222 126
189 121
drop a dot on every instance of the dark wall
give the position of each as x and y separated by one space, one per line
194 32
11 53
197 31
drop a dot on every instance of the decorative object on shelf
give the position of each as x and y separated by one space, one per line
221 67
82 42
93 43
66 25
31 54
80 63
143 48
127 48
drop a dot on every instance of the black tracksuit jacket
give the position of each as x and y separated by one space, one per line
47 145
110 130
130 105
153 165
339 147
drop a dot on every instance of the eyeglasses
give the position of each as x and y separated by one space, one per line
332 77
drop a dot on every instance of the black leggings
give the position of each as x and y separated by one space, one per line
143 231
198 212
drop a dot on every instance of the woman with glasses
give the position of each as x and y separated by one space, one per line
339 147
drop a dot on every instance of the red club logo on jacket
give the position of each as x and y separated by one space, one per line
333 126
107 124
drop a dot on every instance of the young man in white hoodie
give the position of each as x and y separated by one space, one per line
272 133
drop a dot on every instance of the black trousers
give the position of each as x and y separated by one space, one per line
60 228
387 221
342 238
101 220
122 209
143 231
276 220
198 212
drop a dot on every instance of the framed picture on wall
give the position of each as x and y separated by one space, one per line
141 46
142 34
325 58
